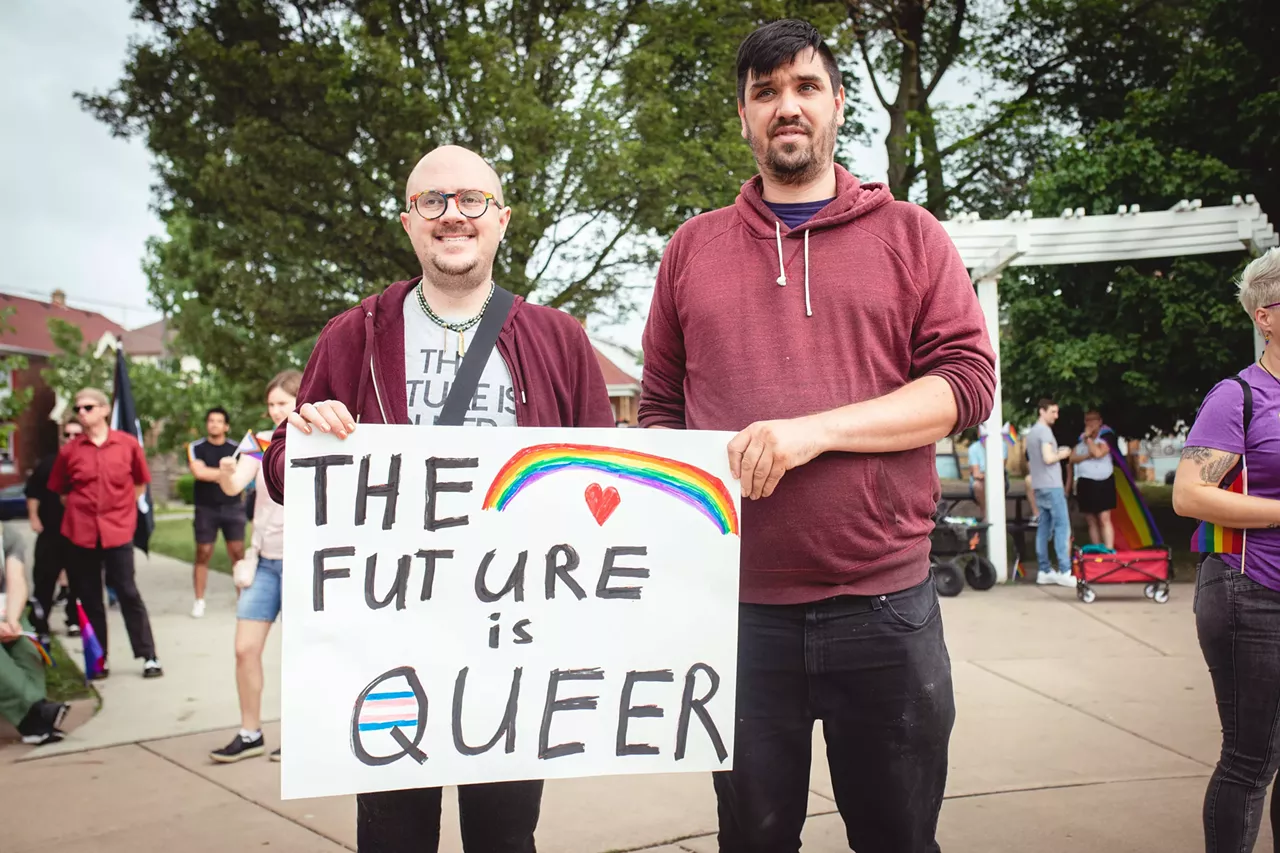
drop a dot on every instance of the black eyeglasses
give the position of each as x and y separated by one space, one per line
87 407
472 204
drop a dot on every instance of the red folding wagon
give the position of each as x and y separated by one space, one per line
1150 566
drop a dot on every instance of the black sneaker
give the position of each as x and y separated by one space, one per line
73 630
37 727
238 749
275 754
152 669
54 714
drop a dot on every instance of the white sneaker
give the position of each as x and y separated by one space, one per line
197 609
1043 577
1065 579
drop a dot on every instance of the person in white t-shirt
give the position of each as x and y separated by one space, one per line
258 577
1095 481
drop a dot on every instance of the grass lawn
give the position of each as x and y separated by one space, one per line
65 680
175 538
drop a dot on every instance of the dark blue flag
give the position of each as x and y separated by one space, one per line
124 417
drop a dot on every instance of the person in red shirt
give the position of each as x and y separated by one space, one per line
101 475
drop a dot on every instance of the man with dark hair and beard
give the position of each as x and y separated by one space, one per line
837 332
393 359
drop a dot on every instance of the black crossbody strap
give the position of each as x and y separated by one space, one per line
1248 403
477 355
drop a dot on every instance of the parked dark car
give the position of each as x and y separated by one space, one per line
13 502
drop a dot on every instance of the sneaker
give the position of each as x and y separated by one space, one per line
43 737
101 674
275 754
1065 579
239 749
1033 521
37 727
1043 577
73 630
197 609
63 594
54 713
152 669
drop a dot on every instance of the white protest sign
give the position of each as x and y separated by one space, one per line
469 605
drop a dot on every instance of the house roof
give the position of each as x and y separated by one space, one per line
148 340
29 324
617 379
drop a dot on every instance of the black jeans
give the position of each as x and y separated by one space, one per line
499 817
52 556
875 670
87 565
1238 621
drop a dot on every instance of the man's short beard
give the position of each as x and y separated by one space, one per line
795 171
453 280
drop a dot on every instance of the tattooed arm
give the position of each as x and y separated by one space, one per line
1196 493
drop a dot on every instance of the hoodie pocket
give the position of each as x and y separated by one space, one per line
890 493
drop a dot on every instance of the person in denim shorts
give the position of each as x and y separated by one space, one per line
259 598
1237 598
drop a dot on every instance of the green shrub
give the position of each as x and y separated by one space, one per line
186 486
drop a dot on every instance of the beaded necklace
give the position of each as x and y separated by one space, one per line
461 326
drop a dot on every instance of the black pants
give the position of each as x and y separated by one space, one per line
87 565
496 818
1238 621
52 555
875 670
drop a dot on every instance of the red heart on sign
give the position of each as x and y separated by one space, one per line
602 502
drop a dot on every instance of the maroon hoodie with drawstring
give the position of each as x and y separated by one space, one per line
754 321
359 360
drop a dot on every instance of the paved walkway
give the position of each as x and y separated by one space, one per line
1080 728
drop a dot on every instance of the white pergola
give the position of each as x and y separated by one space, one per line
1020 240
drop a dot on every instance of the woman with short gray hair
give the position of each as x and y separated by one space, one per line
1229 478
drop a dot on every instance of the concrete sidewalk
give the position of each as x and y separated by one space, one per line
1079 728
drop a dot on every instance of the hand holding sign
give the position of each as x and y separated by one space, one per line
764 451
331 416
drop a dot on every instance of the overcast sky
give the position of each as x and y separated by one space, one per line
76 214
77 201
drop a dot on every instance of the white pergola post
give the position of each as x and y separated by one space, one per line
1021 240
997 540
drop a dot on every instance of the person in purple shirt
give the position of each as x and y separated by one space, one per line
1237 599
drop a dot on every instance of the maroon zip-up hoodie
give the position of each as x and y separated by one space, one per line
875 295
359 360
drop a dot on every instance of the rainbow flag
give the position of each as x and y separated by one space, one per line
253 446
1214 539
94 655
1010 433
1132 520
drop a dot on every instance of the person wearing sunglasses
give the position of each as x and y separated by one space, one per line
44 512
531 366
102 473
1229 478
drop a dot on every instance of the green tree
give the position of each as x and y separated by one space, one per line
283 133
1198 118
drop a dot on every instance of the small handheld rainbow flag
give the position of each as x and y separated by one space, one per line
253 446
1010 433
1215 539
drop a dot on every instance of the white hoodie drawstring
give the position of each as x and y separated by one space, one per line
782 273
808 309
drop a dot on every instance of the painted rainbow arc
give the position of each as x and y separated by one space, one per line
701 490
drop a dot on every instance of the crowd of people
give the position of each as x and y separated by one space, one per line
836 384
1088 466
